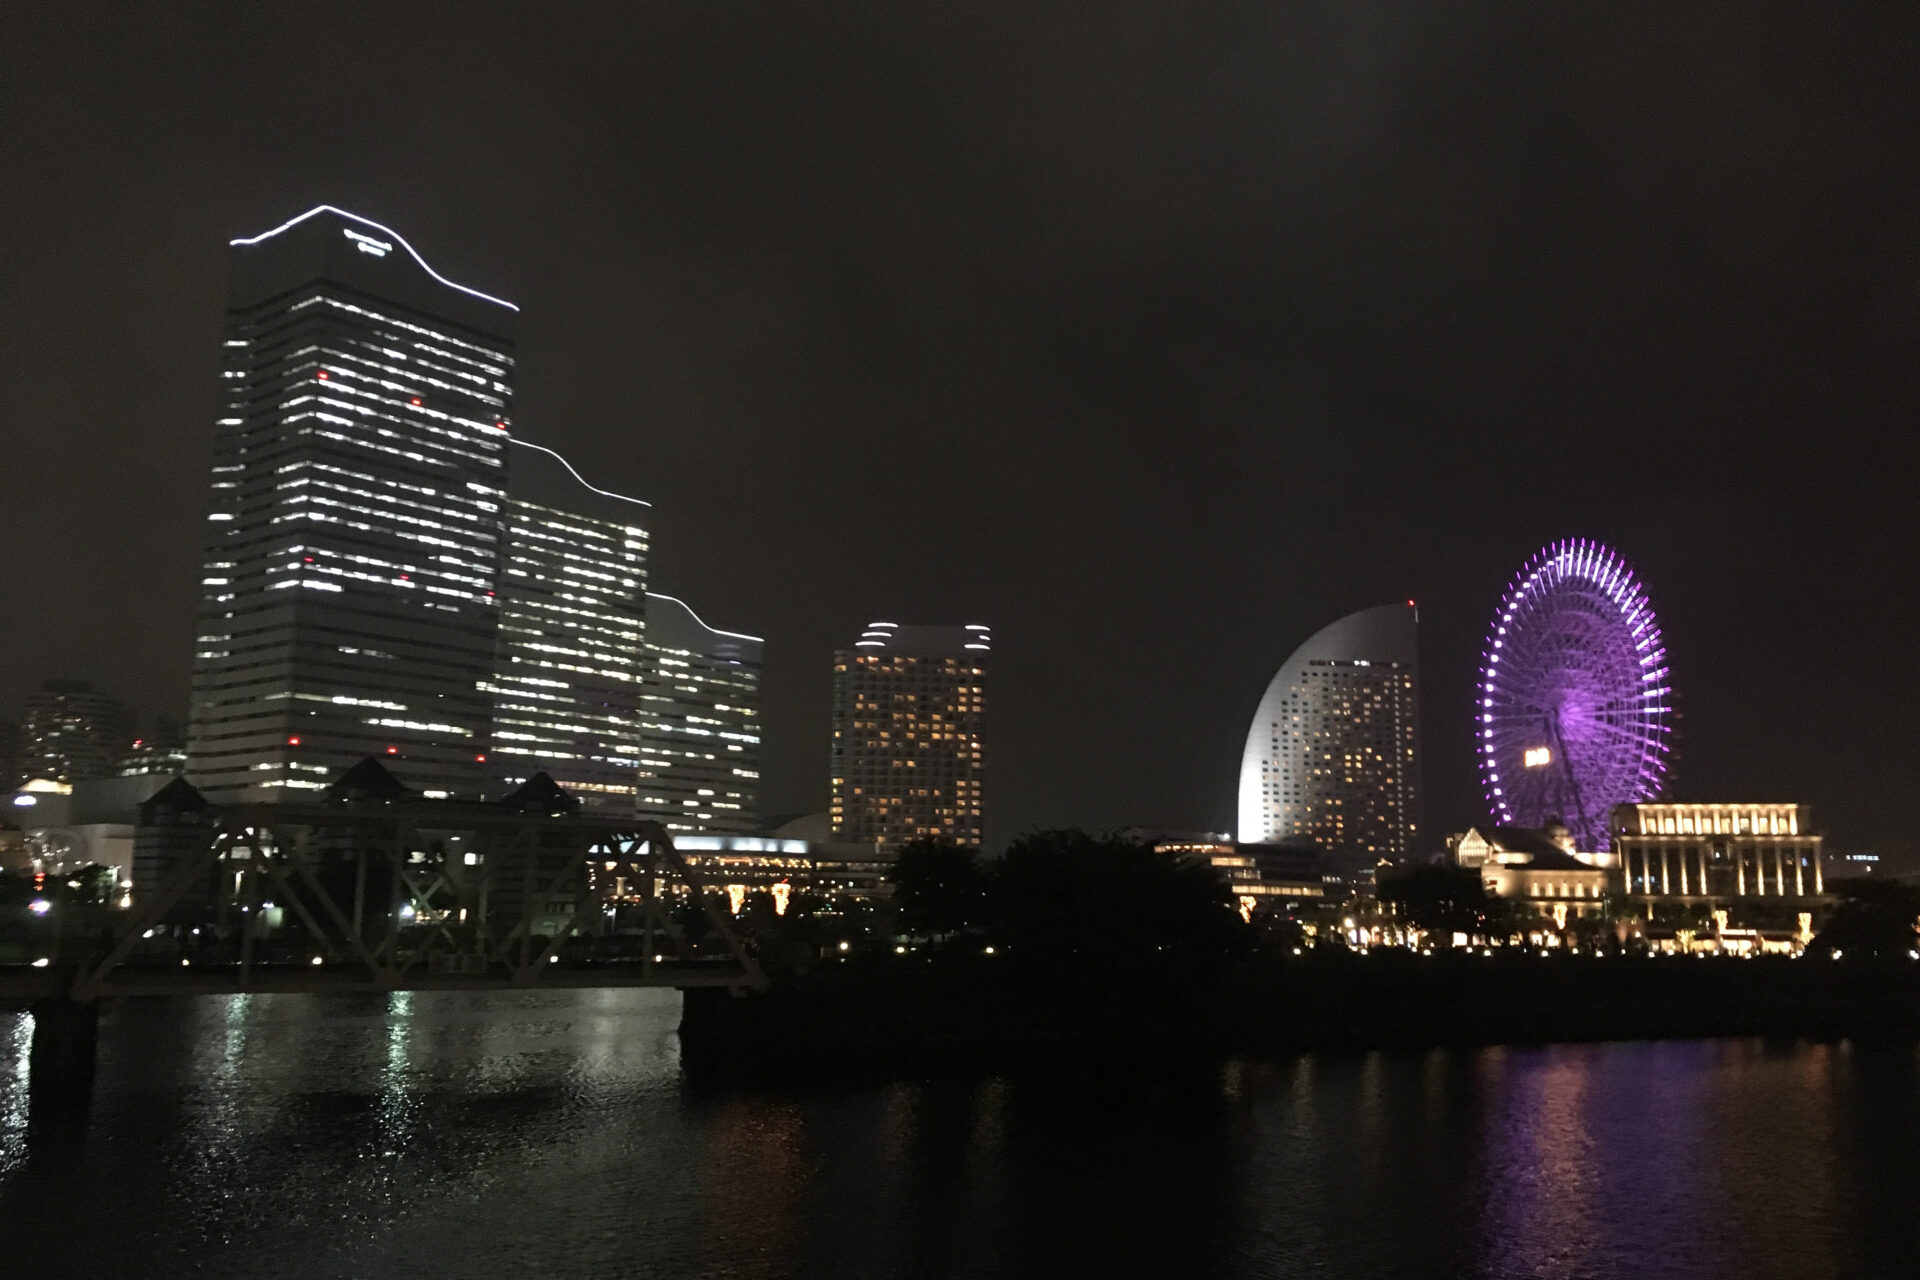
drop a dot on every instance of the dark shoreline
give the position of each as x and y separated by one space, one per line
936 1018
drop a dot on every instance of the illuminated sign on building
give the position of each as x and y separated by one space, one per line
367 244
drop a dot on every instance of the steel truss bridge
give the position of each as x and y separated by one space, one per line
413 895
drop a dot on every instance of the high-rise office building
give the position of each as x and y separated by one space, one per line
355 530
908 711
71 732
1332 757
567 688
699 723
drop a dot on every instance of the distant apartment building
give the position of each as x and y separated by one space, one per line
161 752
1332 756
909 707
699 724
71 732
354 534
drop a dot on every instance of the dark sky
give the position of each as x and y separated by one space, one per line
1155 335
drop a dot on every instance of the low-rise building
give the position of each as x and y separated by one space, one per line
1536 865
1715 855
740 865
1258 874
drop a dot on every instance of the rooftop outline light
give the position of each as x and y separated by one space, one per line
398 239
605 493
738 635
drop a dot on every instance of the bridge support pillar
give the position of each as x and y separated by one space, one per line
66 1034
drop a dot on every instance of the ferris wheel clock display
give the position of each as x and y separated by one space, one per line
1574 710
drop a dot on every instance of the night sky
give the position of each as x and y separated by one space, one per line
1155 335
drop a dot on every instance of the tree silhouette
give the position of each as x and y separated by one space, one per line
1875 918
938 888
1443 899
1059 895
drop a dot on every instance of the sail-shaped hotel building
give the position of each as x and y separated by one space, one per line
1332 757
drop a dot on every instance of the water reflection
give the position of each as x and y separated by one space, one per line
552 1134
16 1046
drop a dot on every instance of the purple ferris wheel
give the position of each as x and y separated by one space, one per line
1574 709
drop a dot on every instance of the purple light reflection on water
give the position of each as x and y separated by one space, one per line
1609 1160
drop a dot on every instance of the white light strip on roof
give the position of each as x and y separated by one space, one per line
400 239
605 493
738 635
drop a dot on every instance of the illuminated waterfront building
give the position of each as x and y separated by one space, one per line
1539 866
1716 854
1259 876
699 724
908 710
71 732
572 637
1332 756
348 603
783 867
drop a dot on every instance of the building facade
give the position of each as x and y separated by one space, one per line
355 528
909 710
164 753
572 658
699 723
1539 866
1261 877
1332 757
1715 855
71 732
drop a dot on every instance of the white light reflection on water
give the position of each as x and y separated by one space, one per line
540 1134
16 1050
224 1025
398 1105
